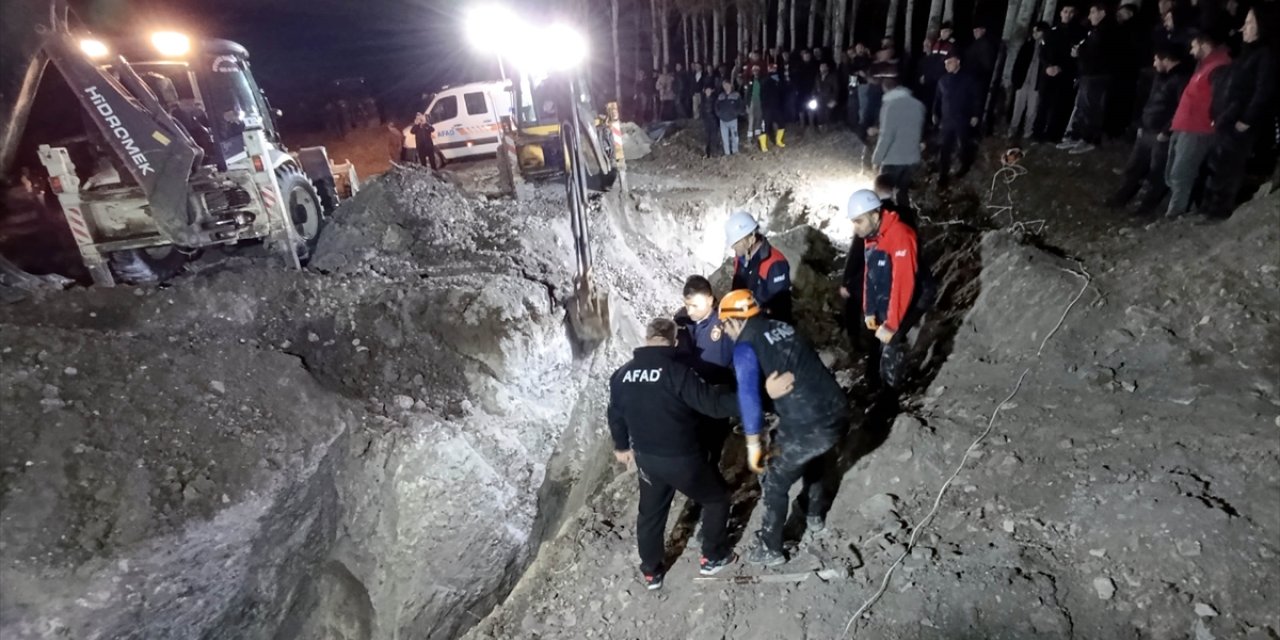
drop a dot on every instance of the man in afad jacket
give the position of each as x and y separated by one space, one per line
812 411
889 289
656 405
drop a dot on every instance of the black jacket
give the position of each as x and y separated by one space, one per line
1022 65
729 106
1058 47
979 60
816 398
959 98
1166 90
768 276
657 403
1242 91
1098 55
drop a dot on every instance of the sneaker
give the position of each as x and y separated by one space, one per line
1068 144
815 524
708 567
764 556
653 581
1083 147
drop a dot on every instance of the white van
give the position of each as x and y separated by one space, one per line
466 118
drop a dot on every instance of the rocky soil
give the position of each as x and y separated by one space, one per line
400 439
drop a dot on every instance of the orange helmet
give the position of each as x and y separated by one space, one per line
738 303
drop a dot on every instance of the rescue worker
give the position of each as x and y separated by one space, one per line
759 267
655 407
702 345
889 290
810 404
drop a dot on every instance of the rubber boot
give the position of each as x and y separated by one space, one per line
764 141
777 138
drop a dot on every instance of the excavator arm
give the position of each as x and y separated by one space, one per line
156 150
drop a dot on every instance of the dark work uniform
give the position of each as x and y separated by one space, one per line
813 417
655 407
426 146
767 275
708 350
957 101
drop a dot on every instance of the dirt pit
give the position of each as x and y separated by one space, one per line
400 439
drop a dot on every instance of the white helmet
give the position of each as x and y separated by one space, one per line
740 225
862 202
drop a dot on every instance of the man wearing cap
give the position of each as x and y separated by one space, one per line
759 267
897 153
890 295
656 405
811 407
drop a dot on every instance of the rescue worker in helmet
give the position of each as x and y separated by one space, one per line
812 410
759 267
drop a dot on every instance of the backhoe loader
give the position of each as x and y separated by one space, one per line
183 147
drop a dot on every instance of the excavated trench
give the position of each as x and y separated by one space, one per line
376 449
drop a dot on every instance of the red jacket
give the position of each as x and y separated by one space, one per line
1192 115
890 272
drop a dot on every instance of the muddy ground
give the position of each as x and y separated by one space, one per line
389 443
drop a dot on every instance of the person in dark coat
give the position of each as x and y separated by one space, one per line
1098 61
773 100
1242 107
1057 94
933 67
803 76
1028 74
422 131
956 111
1151 150
710 121
979 62
681 85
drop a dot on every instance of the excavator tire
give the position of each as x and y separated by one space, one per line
151 265
304 205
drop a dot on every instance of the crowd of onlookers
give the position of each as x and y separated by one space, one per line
1194 93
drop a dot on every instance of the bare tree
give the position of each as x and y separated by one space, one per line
810 31
935 15
842 7
1050 8
853 22
909 47
763 18
684 35
780 32
653 33
617 54
794 41
949 11
891 21
664 22
717 36
697 38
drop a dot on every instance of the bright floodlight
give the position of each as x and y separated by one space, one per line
93 48
813 105
565 48
170 43
492 28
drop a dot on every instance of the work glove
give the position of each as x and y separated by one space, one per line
871 323
755 454
884 334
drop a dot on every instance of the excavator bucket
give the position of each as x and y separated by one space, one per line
590 321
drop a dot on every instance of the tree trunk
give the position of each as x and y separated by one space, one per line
617 55
891 21
949 11
909 47
791 10
935 15
741 42
809 30
717 38
665 24
853 22
1016 28
780 32
829 23
1050 10
653 33
764 26
696 44
684 37
837 27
